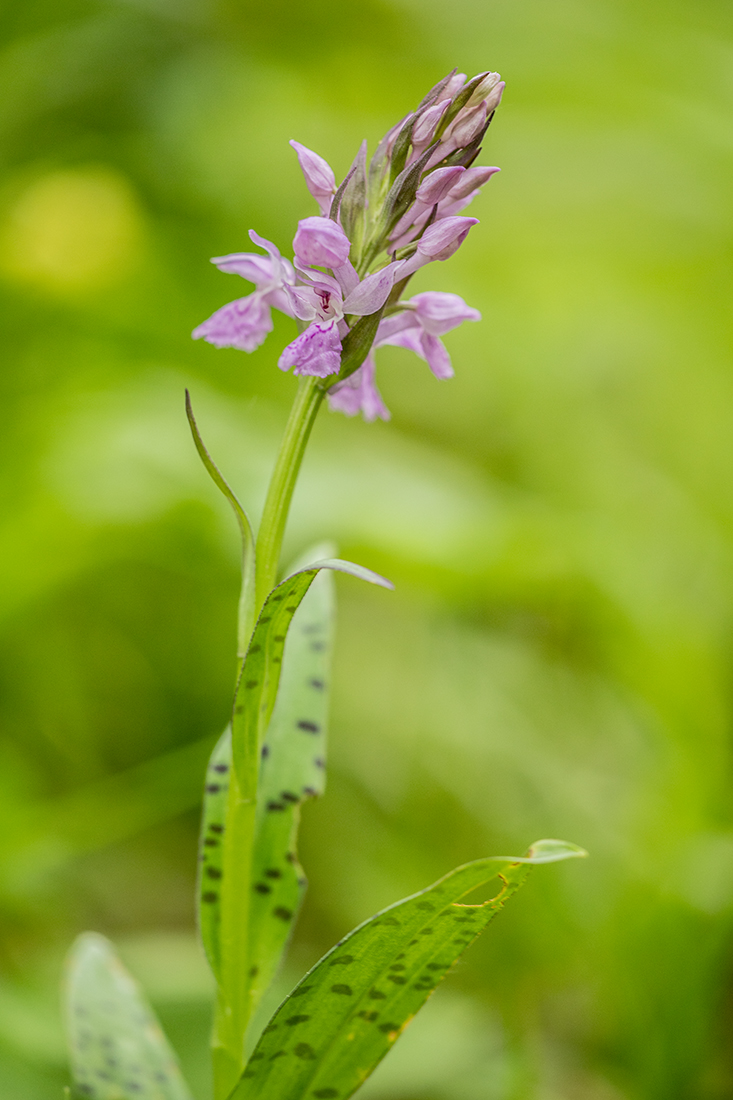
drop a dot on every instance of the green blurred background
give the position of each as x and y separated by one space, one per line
558 519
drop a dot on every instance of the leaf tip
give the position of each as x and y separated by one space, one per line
552 851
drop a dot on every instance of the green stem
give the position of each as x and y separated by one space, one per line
274 517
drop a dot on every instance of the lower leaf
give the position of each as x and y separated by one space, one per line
346 1013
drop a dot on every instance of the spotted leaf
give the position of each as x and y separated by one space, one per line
346 1013
254 701
211 862
292 770
118 1051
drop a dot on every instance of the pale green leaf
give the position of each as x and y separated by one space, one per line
346 1013
118 1051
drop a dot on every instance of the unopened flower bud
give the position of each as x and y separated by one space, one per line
493 99
320 242
470 180
426 125
438 184
445 237
484 88
453 87
466 126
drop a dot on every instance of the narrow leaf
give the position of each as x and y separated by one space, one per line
346 1013
247 596
292 770
211 862
118 1051
234 893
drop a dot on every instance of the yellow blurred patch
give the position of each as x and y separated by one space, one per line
72 230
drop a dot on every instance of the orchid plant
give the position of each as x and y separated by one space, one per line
345 289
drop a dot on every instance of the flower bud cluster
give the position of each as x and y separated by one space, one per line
352 263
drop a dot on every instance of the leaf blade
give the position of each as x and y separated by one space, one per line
346 1013
117 1046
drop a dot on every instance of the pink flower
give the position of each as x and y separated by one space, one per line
425 318
245 323
319 177
359 393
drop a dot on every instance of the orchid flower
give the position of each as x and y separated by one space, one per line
353 260
423 320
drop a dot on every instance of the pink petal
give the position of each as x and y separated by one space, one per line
359 393
439 312
242 324
317 351
319 177
320 242
372 292
257 269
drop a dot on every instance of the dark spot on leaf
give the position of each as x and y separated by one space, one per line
391 921
277 660
293 1020
437 966
301 990
255 648
291 857
341 988
377 995
397 979
426 931
309 727
269 1028
317 684
283 913
311 791
291 609
221 768
251 683
278 1054
411 943
254 971
265 752
342 960
215 828
265 619
273 872
209 897
398 966
288 796
263 888
305 1051
325 1094
212 788
279 637
239 709
370 1017
248 1073
425 905
401 955
273 806
257 1056
213 872
389 1027
211 842
277 598
319 763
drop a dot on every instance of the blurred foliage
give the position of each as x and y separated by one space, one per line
558 519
